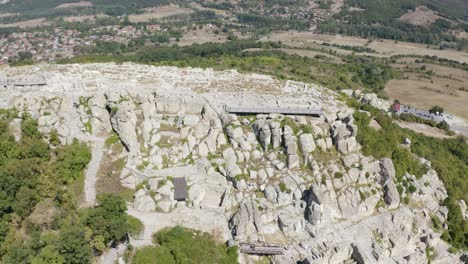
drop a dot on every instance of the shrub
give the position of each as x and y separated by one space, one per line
72 159
135 226
112 139
436 109
192 246
338 175
283 187
154 255
436 223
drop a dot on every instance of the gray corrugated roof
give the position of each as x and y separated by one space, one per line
180 189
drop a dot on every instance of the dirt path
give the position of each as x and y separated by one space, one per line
91 171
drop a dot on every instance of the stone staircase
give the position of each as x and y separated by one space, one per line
111 256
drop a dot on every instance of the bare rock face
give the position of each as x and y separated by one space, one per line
143 202
244 174
265 137
391 195
306 141
246 222
100 115
275 134
123 120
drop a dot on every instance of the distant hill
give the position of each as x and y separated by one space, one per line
453 8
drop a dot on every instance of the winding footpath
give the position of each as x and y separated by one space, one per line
91 171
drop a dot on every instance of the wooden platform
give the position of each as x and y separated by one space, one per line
284 111
261 249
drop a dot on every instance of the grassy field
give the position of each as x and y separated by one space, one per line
27 23
382 48
424 85
158 13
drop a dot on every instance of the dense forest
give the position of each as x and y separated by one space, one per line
39 217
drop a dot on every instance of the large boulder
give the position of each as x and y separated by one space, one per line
271 194
306 143
387 173
246 222
123 120
293 161
143 202
232 169
99 113
275 134
235 132
265 137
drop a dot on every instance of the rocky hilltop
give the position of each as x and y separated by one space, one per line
297 181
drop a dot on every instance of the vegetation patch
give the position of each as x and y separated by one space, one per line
184 245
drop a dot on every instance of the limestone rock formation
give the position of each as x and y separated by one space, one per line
297 180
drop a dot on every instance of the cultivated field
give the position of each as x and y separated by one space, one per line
383 48
77 4
159 12
27 23
82 18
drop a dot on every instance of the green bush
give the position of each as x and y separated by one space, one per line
457 225
154 255
338 175
72 160
193 246
436 109
112 139
109 219
283 187
135 226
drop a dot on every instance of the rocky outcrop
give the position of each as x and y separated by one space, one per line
391 195
123 120
246 222
247 170
143 202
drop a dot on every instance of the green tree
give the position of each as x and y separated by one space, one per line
436 109
109 218
73 246
18 252
71 161
48 255
29 128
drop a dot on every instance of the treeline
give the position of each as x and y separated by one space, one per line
220 6
397 31
261 21
366 73
235 48
39 217
199 15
